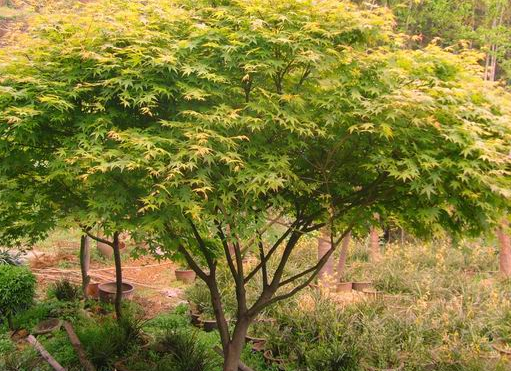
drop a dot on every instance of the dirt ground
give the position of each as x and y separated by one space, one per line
156 288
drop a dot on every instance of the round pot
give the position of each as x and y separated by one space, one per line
145 341
271 321
47 326
208 325
108 290
373 294
344 287
92 290
195 319
185 275
270 359
502 349
256 344
361 286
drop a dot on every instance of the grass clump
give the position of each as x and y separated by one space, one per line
64 290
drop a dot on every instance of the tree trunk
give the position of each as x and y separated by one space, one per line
10 322
324 246
341 264
118 276
85 262
374 245
232 353
505 249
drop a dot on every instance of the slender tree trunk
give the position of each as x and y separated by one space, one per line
505 249
85 262
343 254
9 321
374 245
118 276
324 246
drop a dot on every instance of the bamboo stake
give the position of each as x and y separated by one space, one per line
44 353
75 342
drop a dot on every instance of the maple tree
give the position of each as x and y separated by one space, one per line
216 129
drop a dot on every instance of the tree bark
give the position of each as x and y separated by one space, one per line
9 321
343 255
324 246
505 249
241 366
85 262
374 245
232 353
118 276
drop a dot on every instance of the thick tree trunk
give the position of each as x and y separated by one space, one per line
505 249
341 264
118 276
232 353
374 245
324 246
85 262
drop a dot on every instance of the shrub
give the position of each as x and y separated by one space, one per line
106 342
44 310
184 352
17 289
64 290
21 361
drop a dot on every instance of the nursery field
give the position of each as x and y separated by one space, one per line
255 185
432 307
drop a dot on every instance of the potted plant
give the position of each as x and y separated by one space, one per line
272 360
208 324
207 320
256 336
363 285
183 272
344 287
47 326
185 275
108 290
373 294
92 290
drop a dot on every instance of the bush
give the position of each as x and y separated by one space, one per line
108 341
17 290
65 291
21 361
184 352
44 310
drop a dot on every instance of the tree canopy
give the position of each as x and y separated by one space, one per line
198 124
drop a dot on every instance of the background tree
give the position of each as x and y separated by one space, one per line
210 120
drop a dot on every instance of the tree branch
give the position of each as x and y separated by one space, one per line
96 238
272 249
202 246
314 269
